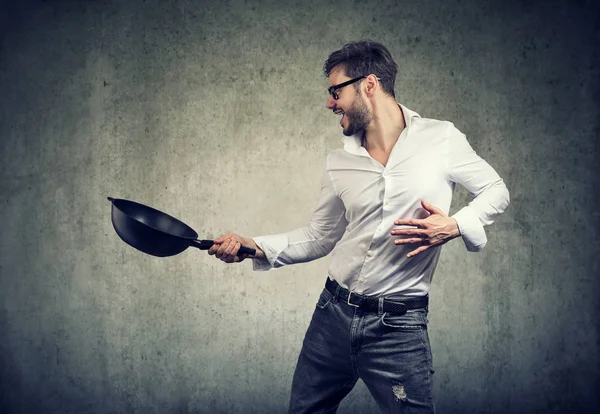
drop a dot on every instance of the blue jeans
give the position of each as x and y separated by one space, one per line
389 352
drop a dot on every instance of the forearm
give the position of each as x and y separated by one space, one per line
297 246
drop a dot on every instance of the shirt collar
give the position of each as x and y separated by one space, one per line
353 145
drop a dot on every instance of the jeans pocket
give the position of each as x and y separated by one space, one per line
324 299
410 321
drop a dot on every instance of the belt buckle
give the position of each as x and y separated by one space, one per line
348 301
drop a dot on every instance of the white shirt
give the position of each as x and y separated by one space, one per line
360 200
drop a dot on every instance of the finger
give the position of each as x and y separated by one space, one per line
231 250
409 222
227 254
222 248
410 232
235 249
417 251
213 249
431 208
408 241
236 257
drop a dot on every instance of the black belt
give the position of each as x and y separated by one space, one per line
397 305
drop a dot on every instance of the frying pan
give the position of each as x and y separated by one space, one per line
154 232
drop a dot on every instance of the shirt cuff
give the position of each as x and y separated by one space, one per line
471 229
272 246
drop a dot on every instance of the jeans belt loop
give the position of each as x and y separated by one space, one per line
380 309
336 296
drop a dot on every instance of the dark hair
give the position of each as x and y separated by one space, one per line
363 58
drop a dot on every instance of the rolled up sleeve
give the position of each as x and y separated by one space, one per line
490 195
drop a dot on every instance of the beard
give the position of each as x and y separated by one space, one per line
358 117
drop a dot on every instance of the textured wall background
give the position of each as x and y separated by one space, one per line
214 112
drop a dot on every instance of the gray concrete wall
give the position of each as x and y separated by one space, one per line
214 112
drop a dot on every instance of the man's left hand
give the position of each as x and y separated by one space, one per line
434 230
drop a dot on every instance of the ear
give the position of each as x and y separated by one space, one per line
371 85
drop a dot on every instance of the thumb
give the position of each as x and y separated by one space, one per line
224 237
431 208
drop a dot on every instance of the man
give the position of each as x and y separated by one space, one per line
382 213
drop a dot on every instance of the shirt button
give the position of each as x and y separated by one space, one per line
370 253
362 281
387 202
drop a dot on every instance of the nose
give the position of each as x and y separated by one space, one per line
330 104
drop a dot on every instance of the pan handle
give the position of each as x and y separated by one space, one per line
202 244
207 244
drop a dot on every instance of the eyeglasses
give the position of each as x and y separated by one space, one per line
333 89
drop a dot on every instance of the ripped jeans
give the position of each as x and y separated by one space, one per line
389 352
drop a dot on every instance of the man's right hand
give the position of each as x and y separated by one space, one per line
226 248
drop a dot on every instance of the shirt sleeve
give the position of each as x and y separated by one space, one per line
491 197
327 226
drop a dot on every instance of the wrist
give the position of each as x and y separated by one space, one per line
260 254
454 229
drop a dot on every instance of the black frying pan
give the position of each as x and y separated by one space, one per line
154 232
